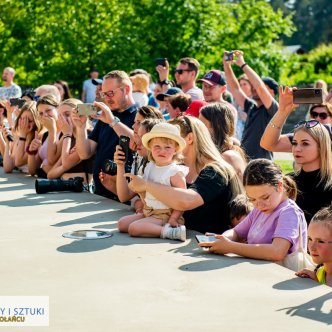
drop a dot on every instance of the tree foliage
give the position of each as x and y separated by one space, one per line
49 40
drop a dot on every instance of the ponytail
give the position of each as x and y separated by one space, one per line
290 187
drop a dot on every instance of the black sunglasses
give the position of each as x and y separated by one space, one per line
307 124
323 116
180 71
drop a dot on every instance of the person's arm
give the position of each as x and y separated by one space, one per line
306 273
20 156
122 188
34 160
176 198
85 147
276 251
272 140
254 79
8 159
163 73
233 84
177 181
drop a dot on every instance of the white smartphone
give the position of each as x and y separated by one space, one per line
86 109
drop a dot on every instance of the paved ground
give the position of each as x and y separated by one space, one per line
133 284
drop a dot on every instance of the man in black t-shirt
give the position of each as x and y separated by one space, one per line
260 108
116 119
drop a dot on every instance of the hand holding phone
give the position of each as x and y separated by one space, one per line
206 239
86 109
307 96
17 102
124 143
229 56
161 62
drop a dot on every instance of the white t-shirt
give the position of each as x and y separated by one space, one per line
162 175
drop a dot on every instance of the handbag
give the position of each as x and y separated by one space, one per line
299 259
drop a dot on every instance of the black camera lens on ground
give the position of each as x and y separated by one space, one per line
44 186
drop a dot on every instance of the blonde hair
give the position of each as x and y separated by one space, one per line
323 216
140 83
121 77
206 153
322 137
30 106
71 102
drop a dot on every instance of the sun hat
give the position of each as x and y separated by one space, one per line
165 130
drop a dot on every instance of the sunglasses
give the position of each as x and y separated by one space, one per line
323 116
180 71
109 94
307 124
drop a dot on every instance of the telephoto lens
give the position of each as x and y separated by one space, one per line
43 186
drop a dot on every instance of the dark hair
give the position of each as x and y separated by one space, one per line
30 93
263 171
180 100
239 207
192 63
65 87
2 105
149 123
150 112
221 119
326 105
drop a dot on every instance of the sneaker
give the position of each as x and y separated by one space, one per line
176 233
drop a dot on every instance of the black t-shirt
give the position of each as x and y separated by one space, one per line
257 120
213 215
107 140
311 195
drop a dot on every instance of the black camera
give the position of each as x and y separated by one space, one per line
73 184
110 167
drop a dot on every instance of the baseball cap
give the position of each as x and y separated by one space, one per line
271 83
97 81
169 92
195 107
214 77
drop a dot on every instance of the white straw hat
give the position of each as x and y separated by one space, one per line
165 130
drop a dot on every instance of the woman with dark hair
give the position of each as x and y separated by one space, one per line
63 88
219 120
272 228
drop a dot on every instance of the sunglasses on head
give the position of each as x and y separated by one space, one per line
314 115
180 71
307 124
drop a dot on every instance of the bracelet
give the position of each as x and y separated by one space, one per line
67 136
273 125
245 64
31 153
22 139
114 122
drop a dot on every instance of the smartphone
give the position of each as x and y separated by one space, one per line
307 96
17 102
124 143
161 62
205 238
86 109
229 56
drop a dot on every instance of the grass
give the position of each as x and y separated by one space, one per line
286 165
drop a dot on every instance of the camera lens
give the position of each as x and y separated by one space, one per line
317 92
109 167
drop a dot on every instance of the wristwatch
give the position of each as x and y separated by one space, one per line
165 82
114 122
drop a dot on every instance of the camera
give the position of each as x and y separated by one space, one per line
74 184
87 109
17 102
111 168
229 56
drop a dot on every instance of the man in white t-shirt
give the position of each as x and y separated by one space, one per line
9 89
89 88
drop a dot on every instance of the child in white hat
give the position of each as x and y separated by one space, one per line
164 144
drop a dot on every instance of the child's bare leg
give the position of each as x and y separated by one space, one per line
124 222
146 227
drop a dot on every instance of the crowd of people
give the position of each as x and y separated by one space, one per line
197 158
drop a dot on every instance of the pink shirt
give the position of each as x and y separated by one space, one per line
284 222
